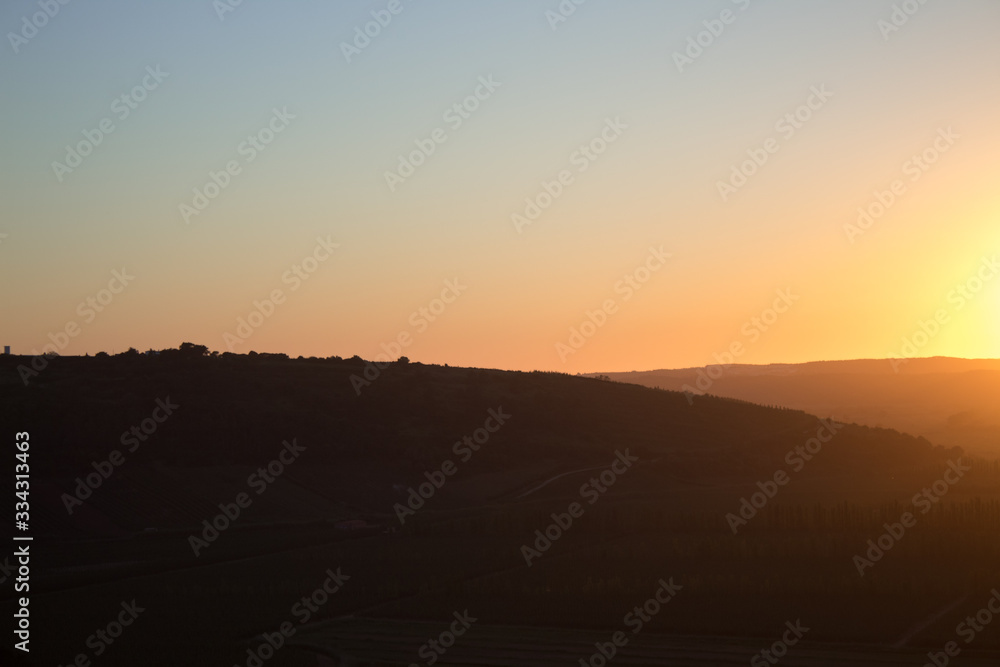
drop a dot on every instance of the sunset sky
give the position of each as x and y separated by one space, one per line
665 131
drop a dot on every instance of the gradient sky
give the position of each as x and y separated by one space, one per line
655 185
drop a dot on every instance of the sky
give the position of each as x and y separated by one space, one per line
604 186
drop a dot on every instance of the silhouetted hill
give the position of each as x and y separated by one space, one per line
231 485
952 402
371 439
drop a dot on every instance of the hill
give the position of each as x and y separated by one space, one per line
951 402
217 491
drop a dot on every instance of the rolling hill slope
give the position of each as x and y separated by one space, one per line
952 402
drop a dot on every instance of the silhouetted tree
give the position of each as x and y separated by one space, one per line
192 350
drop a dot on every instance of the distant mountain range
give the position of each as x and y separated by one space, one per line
953 402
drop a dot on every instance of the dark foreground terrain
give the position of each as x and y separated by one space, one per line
259 510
